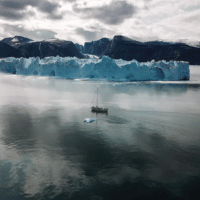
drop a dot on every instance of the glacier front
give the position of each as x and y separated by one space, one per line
97 69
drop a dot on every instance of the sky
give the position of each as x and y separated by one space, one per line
80 21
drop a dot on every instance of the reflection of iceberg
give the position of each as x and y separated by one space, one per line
89 120
101 69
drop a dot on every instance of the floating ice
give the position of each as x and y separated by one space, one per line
89 120
97 69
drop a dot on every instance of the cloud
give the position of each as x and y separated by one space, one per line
10 15
89 35
16 10
36 34
183 25
113 13
192 17
50 8
86 34
18 4
163 20
12 5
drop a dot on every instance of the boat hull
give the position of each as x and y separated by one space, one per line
99 110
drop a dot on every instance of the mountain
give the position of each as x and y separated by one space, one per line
8 51
128 49
79 47
119 47
51 47
96 47
16 41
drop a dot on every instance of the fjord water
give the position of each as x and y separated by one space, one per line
147 146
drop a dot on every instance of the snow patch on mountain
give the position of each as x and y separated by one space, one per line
15 40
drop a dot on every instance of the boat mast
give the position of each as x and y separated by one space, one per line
97 96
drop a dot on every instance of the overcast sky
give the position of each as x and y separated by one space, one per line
86 20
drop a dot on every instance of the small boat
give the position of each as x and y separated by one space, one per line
98 109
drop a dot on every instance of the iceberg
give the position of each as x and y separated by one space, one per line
89 120
97 69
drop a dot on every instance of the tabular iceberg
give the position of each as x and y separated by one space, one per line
97 69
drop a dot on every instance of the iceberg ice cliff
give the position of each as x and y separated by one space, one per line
97 69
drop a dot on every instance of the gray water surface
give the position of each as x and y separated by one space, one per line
147 146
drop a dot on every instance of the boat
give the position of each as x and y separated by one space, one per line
98 109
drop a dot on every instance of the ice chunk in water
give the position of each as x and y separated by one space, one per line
89 120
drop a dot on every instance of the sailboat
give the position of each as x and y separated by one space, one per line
98 109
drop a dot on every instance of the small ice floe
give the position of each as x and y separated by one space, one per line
89 120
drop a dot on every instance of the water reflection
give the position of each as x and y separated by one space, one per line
142 148
152 88
72 160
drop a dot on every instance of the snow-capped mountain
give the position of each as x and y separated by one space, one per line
116 48
16 41
51 47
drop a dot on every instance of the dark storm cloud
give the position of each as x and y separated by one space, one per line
10 15
12 5
50 8
37 34
15 10
18 4
114 13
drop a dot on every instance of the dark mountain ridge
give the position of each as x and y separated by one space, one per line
80 47
119 47
127 49
25 47
8 51
52 47
96 47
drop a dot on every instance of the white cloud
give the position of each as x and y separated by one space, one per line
142 20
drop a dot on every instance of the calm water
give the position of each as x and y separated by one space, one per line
147 146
